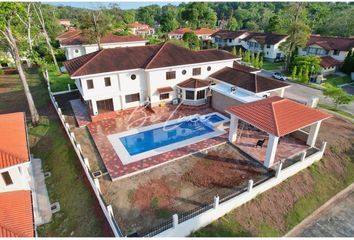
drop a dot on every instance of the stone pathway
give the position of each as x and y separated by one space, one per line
81 112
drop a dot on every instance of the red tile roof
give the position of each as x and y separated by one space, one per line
165 90
201 31
332 43
13 140
145 57
68 34
245 68
265 38
243 78
135 25
109 38
194 83
328 61
180 31
277 116
226 34
16 214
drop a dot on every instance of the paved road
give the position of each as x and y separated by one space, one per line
336 220
303 93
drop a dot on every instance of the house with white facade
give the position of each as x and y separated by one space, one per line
202 33
141 29
268 43
332 51
16 211
65 23
77 45
120 78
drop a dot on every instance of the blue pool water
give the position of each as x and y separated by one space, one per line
165 135
213 118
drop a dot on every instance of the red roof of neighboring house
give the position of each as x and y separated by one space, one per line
265 38
68 34
135 25
16 214
245 68
145 57
201 31
13 140
328 61
277 116
180 31
244 78
108 38
226 34
194 83
332 43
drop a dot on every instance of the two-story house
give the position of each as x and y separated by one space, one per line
332 51
78 45
268 43
120 78
141 29
202 33
16 210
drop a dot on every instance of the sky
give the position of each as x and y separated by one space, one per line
123 5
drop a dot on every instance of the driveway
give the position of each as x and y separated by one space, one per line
334 220
303 93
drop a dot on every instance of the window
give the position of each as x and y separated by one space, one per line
133 77
107 81
189 95
164 96
89 84
201 94
268 46
171 75
208 68
336 52
132 98
196 71
184 72
7 178
230 40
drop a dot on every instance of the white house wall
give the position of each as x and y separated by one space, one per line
19 175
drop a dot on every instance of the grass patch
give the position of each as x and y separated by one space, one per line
59 81
335 80
272 66
331 108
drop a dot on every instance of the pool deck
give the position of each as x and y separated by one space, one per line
135 118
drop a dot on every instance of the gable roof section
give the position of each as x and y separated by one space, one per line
16 214
13 140
328 61
135 25
194 83
265 38
204 31
277 116
226 34
68 34
245 68
108 38
247 80
145 57
332 43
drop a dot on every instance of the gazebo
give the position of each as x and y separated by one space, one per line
277 117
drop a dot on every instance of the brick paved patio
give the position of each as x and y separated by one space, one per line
134 118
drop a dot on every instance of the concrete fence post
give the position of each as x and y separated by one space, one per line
323 146
216 201
303 156
73 136
59 111
250 185
175 220
110 210
79 147
97 183
55 103
277 174
67 126
87 163
69 87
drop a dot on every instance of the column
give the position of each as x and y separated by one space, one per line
94 107
271 150
311 139
233 128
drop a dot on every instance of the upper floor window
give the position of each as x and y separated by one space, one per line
268 45
196 71
170 75
89 84
184 71
336 52
7 178
107 81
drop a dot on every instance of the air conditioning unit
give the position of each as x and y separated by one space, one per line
175 101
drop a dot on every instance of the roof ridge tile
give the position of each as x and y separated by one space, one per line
98 53
156 54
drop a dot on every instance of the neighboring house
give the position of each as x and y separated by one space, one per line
332 51
241 84
16 211
120 78
77 45
72 32
202 33
141 29
65 22
268 43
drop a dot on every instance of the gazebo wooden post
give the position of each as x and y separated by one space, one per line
271 150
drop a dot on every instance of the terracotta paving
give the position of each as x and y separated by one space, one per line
287 147
81 112
134 118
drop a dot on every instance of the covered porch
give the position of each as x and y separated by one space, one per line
271 130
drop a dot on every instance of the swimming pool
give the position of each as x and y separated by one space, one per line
136 144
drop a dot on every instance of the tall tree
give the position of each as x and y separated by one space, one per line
169 20
42 21
9 28
27 22
274 24
198 15
232 24
192 40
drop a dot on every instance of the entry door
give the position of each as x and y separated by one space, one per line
105 105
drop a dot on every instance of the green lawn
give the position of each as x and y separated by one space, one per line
79 214
272 66
331 108
337 80
59 81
